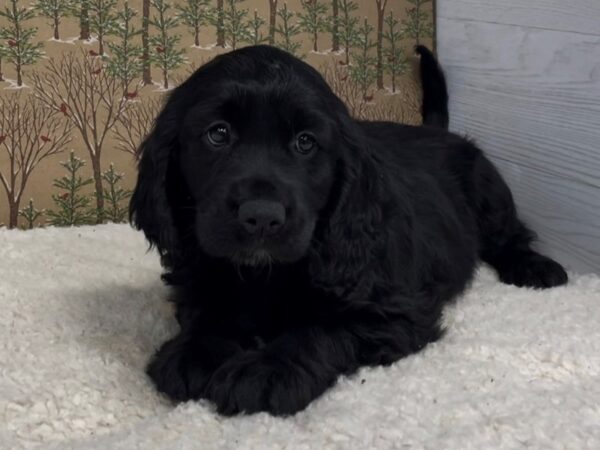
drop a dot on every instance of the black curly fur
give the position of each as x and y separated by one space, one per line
401 217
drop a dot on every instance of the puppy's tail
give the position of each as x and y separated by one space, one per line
435 92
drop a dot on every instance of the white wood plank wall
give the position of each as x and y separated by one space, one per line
524 81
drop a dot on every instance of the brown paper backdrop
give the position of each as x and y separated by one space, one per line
72 95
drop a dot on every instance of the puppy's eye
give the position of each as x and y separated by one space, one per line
306 143
218 135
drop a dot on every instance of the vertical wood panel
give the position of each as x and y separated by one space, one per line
530 96
579 16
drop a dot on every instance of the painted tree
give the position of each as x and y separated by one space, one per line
83 91
272 21
194 14
254 26
102 20
31 215
433 27
146 64
381 4
234 23
126 60
333 25
313 20
135 123
55 10
363 71
83 13
165 53
395 62
29 133
116 209
73 207
218 22
189 69
288 29
417 24
20 49
3 54
345 88
348 27
392 109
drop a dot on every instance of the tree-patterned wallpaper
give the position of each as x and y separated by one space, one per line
81 81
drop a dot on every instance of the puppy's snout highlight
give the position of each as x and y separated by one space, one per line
261 217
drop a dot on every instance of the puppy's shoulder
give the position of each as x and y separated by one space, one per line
405 133
419 148
400 138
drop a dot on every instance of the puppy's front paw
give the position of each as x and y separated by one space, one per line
530 269
254 383
183 365
174 373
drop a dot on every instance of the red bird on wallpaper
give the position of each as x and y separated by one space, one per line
45 138
12 43
131 95
64 109
2 138
93 53
97 71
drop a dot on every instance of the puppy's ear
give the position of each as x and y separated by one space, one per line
150 209
351 239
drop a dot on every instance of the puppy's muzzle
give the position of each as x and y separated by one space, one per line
261 217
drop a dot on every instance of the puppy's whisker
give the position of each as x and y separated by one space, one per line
238 269
269 269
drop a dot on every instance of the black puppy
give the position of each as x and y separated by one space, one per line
303 244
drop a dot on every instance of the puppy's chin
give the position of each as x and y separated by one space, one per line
252 255
219 242
255 258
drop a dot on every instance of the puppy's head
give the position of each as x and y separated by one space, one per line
257 154
246 159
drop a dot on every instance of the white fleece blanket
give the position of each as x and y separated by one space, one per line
82 309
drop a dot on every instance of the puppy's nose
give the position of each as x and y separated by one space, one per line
261 216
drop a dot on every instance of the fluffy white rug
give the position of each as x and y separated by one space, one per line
82 309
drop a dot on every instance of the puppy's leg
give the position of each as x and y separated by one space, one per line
183 365
294 369
505 241
285 376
